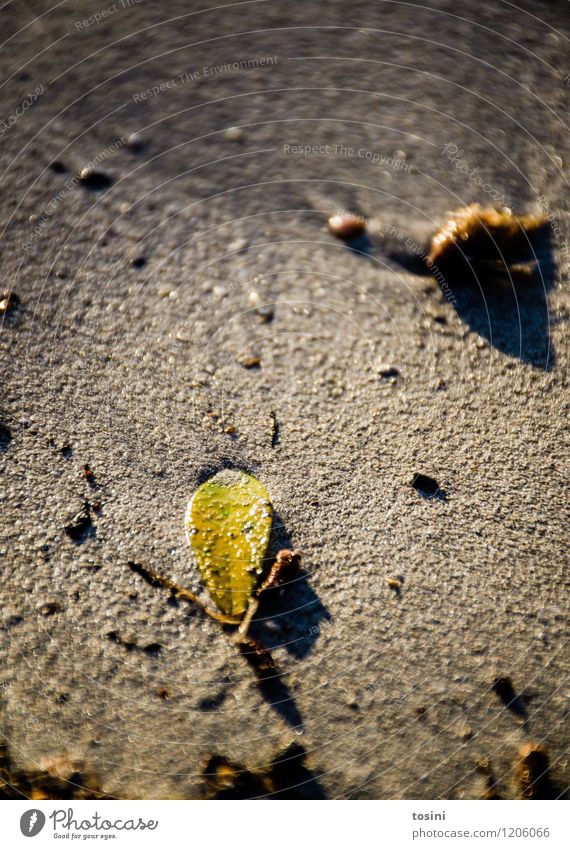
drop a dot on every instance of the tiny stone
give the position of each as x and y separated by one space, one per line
347 226
79 524
388 371
163 693
135 142
424 483
266 314
8 301
533 772
436 315
264 311
238 245
138 261
95 180
49 608
5 437
250 362
233 134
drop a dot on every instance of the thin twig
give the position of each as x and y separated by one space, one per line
156 579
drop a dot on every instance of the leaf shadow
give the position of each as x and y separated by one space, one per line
290 616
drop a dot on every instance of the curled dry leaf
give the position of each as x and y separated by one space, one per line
485 234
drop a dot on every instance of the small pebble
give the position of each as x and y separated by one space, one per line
163 693
238 245
388 371
138 261
250 362
88 474
135 143
49 608
12 621
5 437
96 181
8 301
533 772
79 524
264 311
233 134
436 315
423 483
347 226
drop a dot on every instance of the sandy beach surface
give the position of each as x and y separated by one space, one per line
183 308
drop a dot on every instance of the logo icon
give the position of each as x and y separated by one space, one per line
32 822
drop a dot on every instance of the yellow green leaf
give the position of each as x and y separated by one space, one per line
228 523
